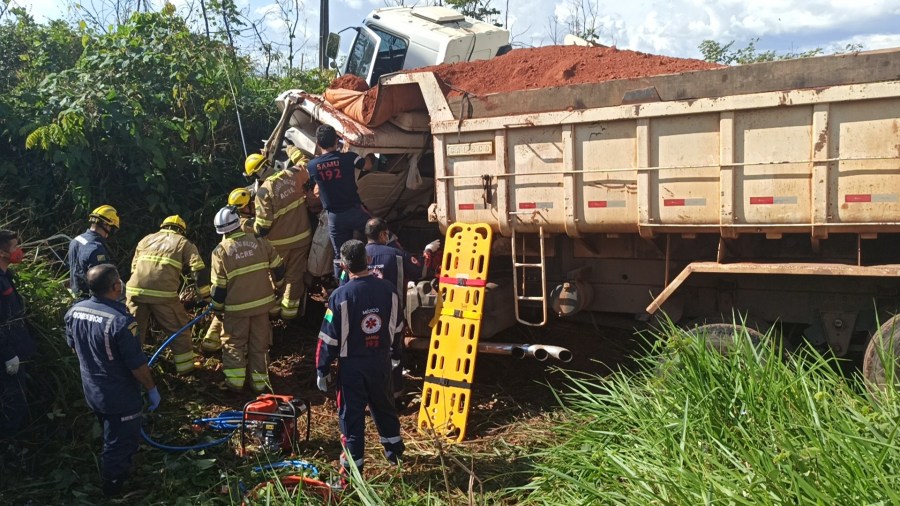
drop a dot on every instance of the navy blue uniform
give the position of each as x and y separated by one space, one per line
105 338
335 173
357 331
85 251
14 341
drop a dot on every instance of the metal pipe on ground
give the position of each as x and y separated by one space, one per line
539 352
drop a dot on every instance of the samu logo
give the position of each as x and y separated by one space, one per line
371 324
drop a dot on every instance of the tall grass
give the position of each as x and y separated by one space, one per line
695 426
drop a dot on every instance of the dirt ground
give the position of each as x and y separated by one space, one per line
509 394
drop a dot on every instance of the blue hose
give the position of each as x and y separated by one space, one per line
294 464
224 420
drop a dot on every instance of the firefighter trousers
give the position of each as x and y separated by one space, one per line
293 292
245 346
366 381
170 316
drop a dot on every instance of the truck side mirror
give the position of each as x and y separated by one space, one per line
332 45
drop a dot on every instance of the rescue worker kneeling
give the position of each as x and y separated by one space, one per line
362 318
156 270
242 200
242 294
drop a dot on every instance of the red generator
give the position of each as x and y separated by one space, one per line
270 423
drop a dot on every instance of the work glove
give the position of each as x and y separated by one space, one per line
155 399
395 364
430 251
322 382
12 366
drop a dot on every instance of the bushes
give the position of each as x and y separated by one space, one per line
746 428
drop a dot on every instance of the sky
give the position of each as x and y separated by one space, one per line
669 27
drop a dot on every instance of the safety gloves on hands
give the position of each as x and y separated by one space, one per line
322 382
395 363
12 366
154 397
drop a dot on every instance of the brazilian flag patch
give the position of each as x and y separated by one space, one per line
328 315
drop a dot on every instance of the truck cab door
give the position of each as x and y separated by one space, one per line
361 60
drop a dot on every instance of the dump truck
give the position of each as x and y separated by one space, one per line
767 192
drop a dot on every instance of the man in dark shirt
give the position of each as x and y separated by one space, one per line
362 318
16 344
89 249
335 175
113 369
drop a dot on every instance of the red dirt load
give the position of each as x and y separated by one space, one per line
349 82
551 66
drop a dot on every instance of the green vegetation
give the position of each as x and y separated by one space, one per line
702 428
727 54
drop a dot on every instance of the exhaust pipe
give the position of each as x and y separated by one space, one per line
539 352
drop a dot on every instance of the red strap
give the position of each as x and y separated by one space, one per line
7 292
478 283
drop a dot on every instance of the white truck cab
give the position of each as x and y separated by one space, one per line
399 38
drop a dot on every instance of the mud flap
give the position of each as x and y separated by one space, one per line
446 394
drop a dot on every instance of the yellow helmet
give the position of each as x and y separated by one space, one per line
239 197
254 163
105 214
174 221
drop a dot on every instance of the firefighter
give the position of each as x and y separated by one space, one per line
242 200
113 369
152 291
16 345
334 173
242 295
89 249
283 219
357 331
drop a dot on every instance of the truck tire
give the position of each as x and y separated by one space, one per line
883 346
721 336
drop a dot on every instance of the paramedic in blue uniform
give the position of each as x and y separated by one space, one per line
16 345
397 267
357 331
113 369
335 175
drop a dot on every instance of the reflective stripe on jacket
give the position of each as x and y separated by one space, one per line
241 282
158 263
281 214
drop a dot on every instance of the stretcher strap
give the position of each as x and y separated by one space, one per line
478 283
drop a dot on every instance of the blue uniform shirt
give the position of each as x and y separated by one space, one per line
14 337
361 320
85 251
335 173
392 265
104 337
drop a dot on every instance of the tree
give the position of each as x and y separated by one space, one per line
478 9
726 54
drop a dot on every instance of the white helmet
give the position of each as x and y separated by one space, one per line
227 220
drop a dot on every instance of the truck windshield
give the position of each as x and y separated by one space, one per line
375 53
359 61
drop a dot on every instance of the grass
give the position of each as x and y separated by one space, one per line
693 426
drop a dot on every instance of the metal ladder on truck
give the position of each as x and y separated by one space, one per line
521 293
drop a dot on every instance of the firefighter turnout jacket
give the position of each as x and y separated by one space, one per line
85 251
241 267
158 263
281 215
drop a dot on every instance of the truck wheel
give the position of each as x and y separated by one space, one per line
882 358
721 336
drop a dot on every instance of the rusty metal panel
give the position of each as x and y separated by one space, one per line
609 198
685 189
865 182
766 190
